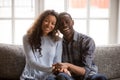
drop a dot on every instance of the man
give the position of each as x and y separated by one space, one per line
78 52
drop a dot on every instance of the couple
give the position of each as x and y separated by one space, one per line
44 50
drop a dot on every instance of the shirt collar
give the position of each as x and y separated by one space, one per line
74 36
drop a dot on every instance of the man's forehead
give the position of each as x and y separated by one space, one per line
64 17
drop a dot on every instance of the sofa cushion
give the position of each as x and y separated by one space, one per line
108 60
12 61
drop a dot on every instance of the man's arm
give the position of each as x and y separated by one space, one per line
88 48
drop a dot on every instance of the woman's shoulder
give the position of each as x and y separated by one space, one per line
59 41
25 38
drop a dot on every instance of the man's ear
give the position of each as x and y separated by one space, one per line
72 22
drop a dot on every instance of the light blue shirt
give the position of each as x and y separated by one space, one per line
38 67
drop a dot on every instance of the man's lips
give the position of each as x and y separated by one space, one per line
65 29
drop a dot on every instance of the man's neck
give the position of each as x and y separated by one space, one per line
69 37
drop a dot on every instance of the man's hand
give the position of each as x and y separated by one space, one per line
61 67
69 67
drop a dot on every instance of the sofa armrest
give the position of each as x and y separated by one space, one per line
12 61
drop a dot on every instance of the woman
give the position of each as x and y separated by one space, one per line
42 47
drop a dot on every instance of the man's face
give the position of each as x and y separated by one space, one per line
65 25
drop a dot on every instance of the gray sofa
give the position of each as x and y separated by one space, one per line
12 61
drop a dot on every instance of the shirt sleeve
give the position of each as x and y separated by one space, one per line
30 57
58 53
88 56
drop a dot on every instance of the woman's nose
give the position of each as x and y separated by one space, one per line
49 24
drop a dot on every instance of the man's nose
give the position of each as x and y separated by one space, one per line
64 24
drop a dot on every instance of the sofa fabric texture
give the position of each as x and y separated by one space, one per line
12 61
107 58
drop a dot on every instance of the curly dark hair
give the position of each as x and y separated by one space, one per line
35 32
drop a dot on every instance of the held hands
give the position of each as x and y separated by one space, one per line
60 67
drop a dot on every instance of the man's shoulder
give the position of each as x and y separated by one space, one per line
83 36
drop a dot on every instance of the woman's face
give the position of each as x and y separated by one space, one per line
48 24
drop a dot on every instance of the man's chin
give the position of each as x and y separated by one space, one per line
66 34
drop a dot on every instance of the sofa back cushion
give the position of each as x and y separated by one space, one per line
107 58
12 61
